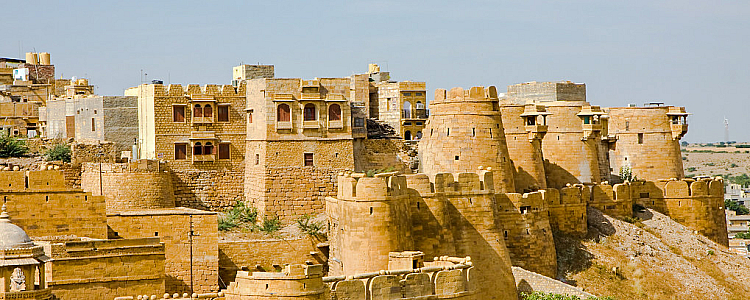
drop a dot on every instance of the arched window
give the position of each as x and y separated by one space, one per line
310 112
407 135
420 105
407 109
198 111
208 111
283 114
208 148
419 134
198 149
334 112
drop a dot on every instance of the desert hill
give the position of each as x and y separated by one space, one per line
650 257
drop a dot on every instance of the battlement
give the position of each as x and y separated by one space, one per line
458 94
32 181
528 202
195 89
358 187
604 192
708 187
444 278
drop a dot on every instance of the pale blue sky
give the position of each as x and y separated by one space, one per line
689 53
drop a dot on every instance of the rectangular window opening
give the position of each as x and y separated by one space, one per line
308 160
180 151
178 113
223 111
224 151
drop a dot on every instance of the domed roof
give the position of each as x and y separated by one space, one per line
12 236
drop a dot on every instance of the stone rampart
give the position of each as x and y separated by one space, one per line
697 204
105 269
42 204
567 207
439 281
614 200
527 231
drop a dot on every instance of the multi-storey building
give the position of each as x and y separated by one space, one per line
200 132
402 105
93 119
299 137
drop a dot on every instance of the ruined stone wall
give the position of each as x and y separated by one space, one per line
238 255
425 283
173 226
45 207
105 269
136 185
460 123
568 158
646 142
97 152
525 150
378 154
526 228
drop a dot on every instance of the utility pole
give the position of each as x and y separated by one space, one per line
190 241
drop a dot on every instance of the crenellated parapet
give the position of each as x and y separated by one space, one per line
293 282
614 200
698 204
443 278
444 213
525 221
177 90
142 184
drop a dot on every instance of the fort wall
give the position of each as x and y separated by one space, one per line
264 255
527 231
463 212
41 203
697 204
174 227
567 207
105 269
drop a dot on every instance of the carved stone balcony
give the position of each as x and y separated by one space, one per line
283 125
678 130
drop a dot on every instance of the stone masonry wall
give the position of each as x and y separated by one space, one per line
94 270
173 227
529 282
48 208
214 190
236 255
374 154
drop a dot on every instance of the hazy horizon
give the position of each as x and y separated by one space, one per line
685 53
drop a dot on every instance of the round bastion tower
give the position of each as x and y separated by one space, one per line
465 131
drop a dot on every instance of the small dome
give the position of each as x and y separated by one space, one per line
12 236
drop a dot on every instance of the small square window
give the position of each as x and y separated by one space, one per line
407 94
640 138
308 159
223 111
418 94
180 151
249 117
359 122
257 159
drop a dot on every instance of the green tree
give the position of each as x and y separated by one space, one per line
742 235
11 146
735 206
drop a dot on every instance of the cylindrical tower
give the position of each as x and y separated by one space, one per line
648 137
571 145
525 126
126 186
465 131
372 220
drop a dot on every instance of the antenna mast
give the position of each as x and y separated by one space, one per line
726 129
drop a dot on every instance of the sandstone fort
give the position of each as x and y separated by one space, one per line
456 196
